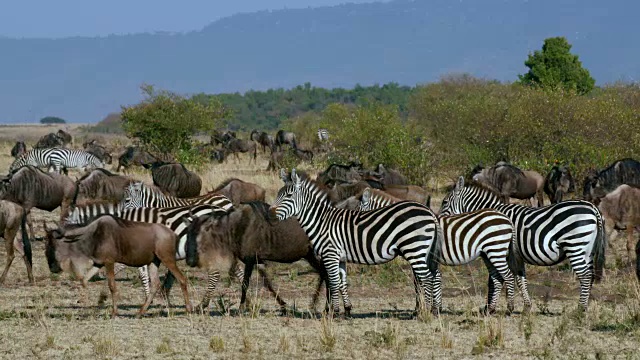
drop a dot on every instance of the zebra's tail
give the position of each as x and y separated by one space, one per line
514 258
26 242
434 253
599 248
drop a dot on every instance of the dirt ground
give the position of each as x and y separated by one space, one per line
45 320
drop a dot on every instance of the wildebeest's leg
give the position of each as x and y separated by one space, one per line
249 263
26 245
540 197
630 242
111 279
155 285
9 243
638 260
170 263
267 283
558 197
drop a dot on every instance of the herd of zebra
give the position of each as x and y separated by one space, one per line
473 222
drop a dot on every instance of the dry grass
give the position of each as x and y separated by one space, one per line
45 320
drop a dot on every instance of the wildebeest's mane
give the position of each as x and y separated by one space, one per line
626 164
225 183
262 208
102 170
513 170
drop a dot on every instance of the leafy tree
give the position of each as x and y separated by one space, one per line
167 121
556 67
52 120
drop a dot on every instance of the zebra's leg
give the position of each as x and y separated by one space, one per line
584 272
332 264
155 285
428 290
143 272
212 282
437 292
499 273
248 270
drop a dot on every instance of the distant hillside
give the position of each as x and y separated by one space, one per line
83 79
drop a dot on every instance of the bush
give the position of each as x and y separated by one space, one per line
167 121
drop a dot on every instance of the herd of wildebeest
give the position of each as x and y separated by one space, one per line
108 219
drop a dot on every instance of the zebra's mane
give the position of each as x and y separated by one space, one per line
319 192
484 187
153 189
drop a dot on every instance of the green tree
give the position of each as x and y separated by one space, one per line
556 67
167 121
52 120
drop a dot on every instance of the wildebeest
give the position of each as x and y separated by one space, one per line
220 137
217 155
134 155
621 211
51 140
108 240
101 185
65 136
18 149
100 152
558 182
247 234
302 154
262 138
31 187
285 137
599 183
175 179
338 173
235 146
388 176
10 216
409 192
239 191
510 181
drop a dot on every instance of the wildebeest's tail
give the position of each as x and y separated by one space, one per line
26 243
599 247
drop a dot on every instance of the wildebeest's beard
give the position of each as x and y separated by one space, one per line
50 253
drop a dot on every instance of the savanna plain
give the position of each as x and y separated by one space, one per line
46 320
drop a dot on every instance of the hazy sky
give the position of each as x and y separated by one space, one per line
62 18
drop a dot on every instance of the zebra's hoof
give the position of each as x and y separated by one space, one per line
487 310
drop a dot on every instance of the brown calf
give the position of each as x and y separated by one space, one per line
621 211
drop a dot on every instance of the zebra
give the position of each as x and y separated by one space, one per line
407 229
57 159
174 218
323 135
545 236
137 195
482 233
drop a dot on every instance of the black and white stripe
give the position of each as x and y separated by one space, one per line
137 195
323 135
171 217
57 159
545 236
481 233
407 229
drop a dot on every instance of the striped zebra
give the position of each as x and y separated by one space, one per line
137 195
323 135
545 236
57 159
407 229
171 217
482 233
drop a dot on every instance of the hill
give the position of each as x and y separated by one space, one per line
408 42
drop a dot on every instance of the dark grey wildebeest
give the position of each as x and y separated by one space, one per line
510 181
50 140
285 137
100 185
31 187
18 149
99 151
265 140
239 191
175 179
599 183
134 155
67 139
235 146
558 183
302 154
338 173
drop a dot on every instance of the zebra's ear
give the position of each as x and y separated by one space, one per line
294 177
137 185
366 195
283 175
459 183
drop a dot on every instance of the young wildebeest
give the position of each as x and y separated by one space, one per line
108 240
285 137
31 187
510 181
239 191
175 179
247 234
558 182
10 216
18 149
304 155
134 155
337 173
599 183
235 146
621 211
101 185
262 138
